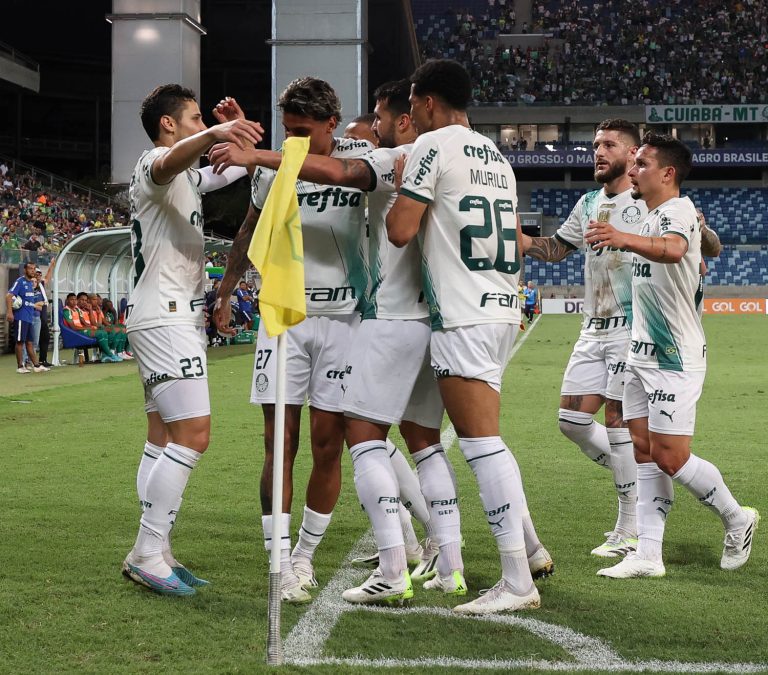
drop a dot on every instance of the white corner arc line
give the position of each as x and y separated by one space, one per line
305 643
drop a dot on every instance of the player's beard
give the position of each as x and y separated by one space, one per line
636 194
614 171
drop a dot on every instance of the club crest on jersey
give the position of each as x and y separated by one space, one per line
631 215
261 383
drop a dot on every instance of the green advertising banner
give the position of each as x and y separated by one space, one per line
711 114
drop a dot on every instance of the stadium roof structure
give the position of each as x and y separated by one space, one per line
99 261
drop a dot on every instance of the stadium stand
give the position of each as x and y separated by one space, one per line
604 51
740 216
35 203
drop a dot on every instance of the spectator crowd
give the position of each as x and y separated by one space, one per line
611 52
37 221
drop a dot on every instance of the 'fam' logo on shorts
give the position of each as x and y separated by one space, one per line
262 382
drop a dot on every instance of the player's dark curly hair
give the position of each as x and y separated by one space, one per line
167 99
671 152
310 97
396 94
622 126
446 79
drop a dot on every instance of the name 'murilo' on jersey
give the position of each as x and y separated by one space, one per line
470 225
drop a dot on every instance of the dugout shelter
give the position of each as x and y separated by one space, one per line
98 261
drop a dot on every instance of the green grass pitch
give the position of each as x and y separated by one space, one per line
72 440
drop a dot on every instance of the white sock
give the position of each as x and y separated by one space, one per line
624 470
438 484
410 491
532 542
148 459
514 567
409 534
655 497
589 435
379 495
163 492
705 482
311 533
501 492
285 540
165 487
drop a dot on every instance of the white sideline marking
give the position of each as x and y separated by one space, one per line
304 645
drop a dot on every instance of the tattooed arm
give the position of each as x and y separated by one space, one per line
237 265
548 249
710 242
320 169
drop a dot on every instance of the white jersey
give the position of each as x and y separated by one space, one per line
666 329
471 262
607 271
333 228
167 246
395 273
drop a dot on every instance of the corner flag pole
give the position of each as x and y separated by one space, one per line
277 251
274 638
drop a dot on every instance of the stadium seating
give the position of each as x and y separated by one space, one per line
734 267
739 215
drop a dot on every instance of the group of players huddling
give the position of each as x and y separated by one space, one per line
412 254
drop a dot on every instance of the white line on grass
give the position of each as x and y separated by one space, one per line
304 644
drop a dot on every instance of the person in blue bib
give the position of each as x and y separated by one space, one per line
23 317
245 304
531 300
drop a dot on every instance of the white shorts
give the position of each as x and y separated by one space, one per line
478 352
169 356
596 368
666 397
315 362
389 377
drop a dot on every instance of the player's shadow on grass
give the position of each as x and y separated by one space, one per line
690 553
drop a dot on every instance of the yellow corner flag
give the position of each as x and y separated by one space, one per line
277 249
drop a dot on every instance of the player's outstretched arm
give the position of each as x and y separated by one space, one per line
237 265
546 249
404 220
710 242
316 168
669 248
186 152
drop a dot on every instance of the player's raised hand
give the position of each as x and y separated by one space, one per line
222 314
239 131
223 155
227 110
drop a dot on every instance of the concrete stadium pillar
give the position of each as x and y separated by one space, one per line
153 42
326 39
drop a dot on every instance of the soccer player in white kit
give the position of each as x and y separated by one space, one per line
391 380
333 225
595 373
667 361
459 197
165 315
